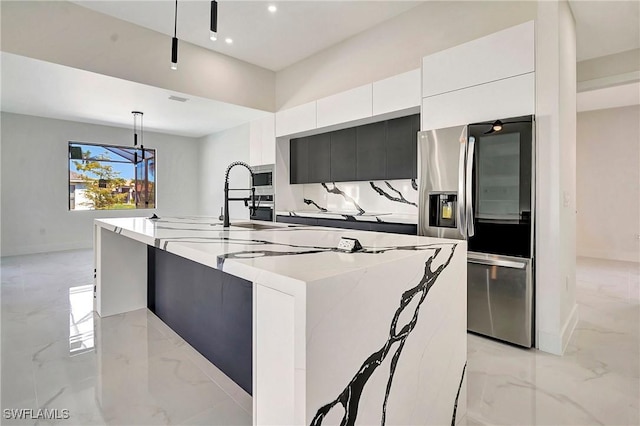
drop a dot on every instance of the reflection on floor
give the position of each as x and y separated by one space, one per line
132 369
126 369
595 382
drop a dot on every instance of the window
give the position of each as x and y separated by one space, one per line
108 177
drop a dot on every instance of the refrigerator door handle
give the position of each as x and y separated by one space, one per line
462 227
506 263
468 190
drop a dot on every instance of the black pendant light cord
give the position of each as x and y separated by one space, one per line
174 41
175 22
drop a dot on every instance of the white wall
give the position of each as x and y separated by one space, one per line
217 151
34 180
608 183
395 46
556 313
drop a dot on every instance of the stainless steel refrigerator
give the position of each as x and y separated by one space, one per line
476 183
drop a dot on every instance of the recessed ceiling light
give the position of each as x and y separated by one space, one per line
228 40
272 8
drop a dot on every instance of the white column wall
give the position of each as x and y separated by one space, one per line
556 312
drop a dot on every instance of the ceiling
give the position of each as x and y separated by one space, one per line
43 89
297 29
605 27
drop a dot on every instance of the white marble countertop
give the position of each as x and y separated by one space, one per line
301 253
353 215
323 320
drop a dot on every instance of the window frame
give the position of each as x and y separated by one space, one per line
70 143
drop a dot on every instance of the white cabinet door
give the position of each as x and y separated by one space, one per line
396 93
346 106
262 141
510 97
500 55
297 119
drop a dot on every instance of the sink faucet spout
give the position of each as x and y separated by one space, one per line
246 200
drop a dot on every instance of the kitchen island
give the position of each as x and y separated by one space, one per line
376 336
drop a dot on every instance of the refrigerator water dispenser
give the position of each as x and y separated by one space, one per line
442 209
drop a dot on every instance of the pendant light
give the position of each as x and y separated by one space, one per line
137 126
213 28
174 41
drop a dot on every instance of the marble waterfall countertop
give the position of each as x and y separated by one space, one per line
354 215
304 253
372 337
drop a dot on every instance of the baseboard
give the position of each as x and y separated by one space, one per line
625 256
557 343
45 248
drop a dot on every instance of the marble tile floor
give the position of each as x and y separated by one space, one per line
132 369
128 369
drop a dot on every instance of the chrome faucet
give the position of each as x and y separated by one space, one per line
252 209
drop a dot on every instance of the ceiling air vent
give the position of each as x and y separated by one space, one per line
178 98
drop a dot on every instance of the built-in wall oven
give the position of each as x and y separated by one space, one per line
263 183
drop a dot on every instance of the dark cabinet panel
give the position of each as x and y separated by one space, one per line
345 224
401 148
415 128
343 155
395 228
208 308
299 165
298 220
379 151
319 158
371 151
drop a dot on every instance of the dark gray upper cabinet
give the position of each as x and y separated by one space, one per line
379 151
319 158
402 147
371 151
343 155
299 164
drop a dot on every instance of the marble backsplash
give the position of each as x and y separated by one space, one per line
392 196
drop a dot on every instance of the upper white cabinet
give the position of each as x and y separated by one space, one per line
346 106
262 141
500 55
297 119
396 93
510 97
